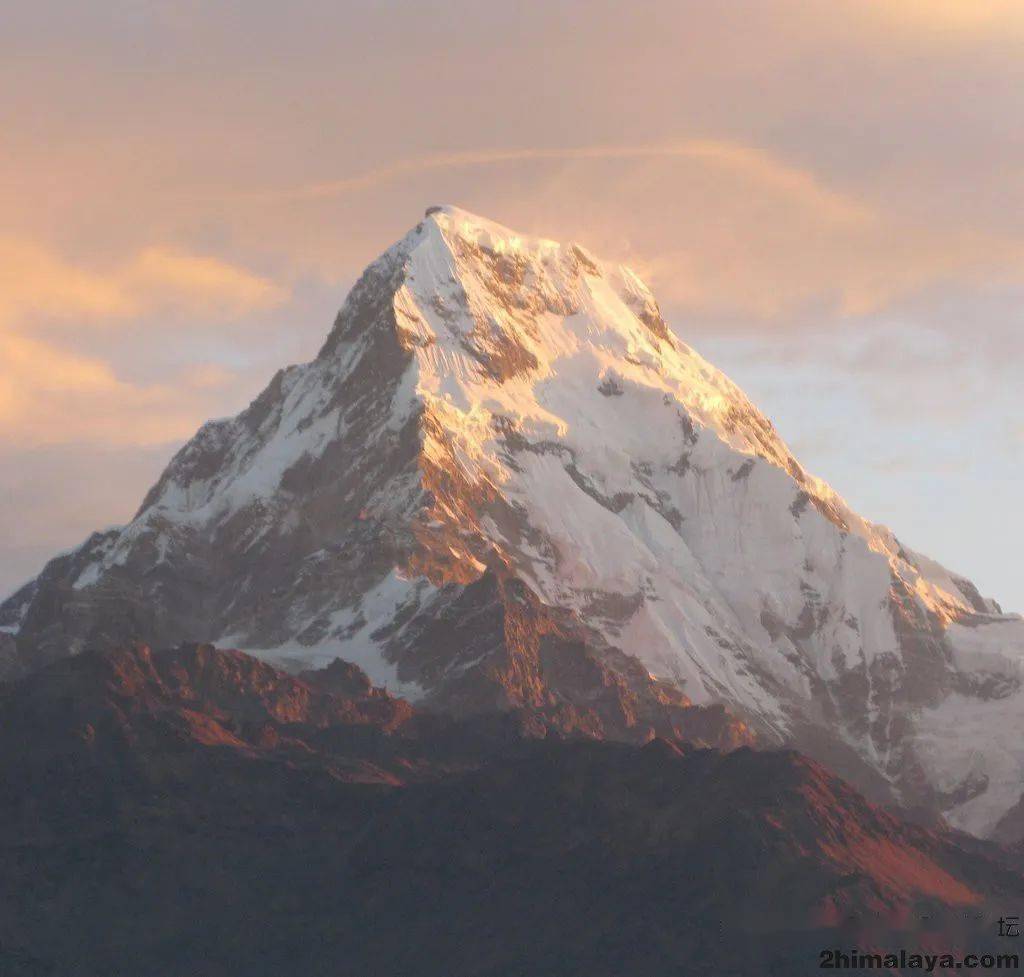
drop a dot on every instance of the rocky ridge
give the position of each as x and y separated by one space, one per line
195 810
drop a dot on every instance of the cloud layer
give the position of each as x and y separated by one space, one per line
52 392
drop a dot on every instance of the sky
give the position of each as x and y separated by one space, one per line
827 198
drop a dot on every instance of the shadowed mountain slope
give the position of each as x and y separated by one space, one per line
198 812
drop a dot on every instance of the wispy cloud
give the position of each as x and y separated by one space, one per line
36 281
53 395
961 19
52 392
748 161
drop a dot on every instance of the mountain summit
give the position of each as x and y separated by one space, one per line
504 481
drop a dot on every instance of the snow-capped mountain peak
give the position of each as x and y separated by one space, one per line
504 479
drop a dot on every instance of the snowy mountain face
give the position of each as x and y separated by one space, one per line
504 480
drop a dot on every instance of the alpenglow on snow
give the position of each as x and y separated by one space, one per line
504 428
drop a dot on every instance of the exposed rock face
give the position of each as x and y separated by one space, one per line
223 817
144 702
505 482
515 654
8 654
